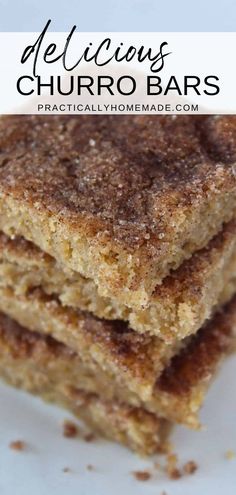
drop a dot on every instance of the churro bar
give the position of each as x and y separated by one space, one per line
118 265
44 367
125 368
178 307
122 200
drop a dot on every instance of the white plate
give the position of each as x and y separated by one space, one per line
39 469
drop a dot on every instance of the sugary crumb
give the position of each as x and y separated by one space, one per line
17 445
142 475
90 467
66 470
89 437
70 430
230 454
172 470
171 466
190 467
174 473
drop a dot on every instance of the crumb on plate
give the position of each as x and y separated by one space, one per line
89 437
172 470
142 475
70 429
66 470
190 467
90 467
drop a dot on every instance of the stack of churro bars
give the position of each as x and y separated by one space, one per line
118 265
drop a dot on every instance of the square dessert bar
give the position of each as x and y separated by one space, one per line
121 365
122 200
178 307
45 367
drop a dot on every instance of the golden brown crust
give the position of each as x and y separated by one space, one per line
131 185
129 175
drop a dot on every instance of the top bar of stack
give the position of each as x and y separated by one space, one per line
120 200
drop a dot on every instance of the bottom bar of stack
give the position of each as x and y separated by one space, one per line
43 366
40 364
